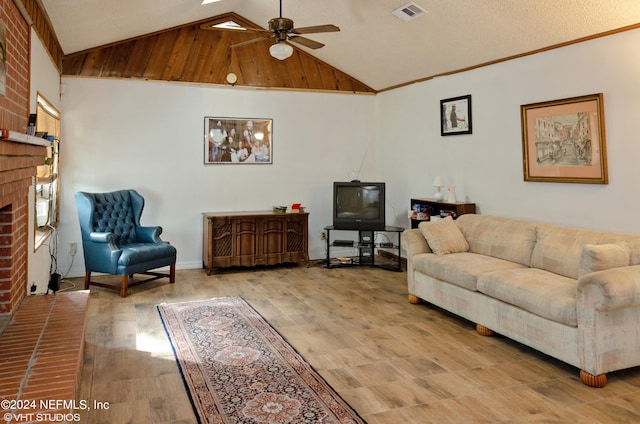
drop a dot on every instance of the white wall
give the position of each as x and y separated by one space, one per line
149 136
486 166
45 79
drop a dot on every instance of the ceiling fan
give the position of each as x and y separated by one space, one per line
282 30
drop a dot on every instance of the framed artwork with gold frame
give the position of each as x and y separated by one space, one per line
563 140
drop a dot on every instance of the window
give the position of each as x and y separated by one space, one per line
47 187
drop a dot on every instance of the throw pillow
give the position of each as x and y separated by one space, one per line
444 236
598 257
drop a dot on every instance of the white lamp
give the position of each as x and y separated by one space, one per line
281 50
438 182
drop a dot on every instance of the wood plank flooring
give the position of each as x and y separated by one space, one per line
393 362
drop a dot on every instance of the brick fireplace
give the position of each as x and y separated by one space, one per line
40 347
18 161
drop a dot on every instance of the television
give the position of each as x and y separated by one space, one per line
358 205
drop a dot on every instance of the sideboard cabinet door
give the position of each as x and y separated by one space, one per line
297 234
245 237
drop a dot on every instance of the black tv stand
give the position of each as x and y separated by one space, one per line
366 248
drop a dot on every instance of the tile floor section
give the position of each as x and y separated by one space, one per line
393 362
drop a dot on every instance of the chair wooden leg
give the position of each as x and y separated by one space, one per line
172 274
87 278
125 286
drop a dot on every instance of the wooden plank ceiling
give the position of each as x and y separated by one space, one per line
190 54
38 17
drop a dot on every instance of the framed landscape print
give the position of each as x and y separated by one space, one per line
455 115
237 141
564 140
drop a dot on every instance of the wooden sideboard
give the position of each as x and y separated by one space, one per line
254 238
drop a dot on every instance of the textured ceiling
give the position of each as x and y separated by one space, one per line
373 46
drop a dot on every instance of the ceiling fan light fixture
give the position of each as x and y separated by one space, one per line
281 50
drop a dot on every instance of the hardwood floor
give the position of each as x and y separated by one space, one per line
392 361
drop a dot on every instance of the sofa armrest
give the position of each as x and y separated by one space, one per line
414 243
611 289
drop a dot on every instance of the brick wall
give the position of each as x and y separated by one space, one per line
17 162
10 256
14 107
17 167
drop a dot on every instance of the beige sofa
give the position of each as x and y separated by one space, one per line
572 294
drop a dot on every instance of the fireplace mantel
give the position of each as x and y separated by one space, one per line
17 137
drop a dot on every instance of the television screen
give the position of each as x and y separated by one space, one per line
359 205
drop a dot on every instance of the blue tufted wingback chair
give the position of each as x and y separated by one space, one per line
114 242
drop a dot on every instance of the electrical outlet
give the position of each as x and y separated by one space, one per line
73 248
323 235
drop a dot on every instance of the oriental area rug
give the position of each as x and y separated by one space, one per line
238 369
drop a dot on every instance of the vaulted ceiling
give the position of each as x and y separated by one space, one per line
373 51
191 53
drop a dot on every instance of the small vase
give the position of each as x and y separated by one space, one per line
452 193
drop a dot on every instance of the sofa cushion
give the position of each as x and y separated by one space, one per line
598 257
559 249
461 269
509 239
537 291
634 243
443 236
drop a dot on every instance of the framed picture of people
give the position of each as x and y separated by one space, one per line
455 115
237 140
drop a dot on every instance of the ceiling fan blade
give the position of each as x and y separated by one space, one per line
255 40
305 42
315 29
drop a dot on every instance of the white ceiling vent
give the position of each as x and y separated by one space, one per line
408 12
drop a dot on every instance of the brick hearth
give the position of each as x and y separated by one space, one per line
41 350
